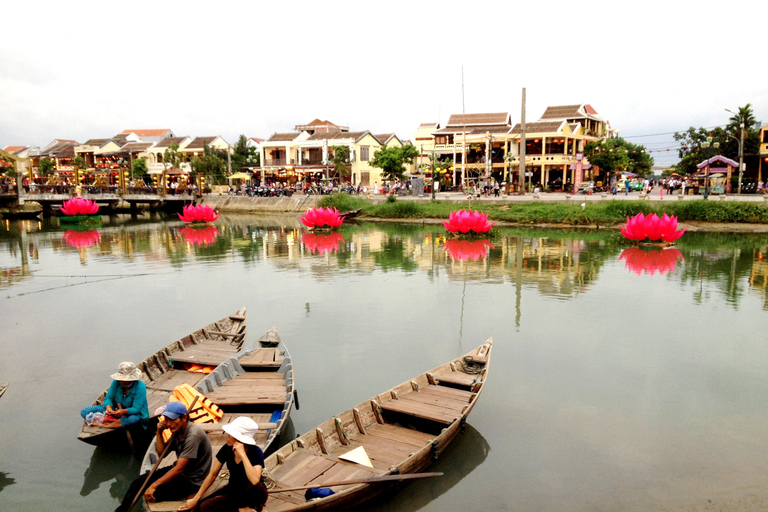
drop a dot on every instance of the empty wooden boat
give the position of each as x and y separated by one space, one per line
260 385
401 432
164 370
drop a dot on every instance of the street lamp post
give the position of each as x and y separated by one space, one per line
706 144
741 145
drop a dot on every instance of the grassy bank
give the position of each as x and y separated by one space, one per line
603 213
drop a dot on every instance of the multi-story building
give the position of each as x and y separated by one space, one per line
763 152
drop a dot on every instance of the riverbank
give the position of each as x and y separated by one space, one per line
735 214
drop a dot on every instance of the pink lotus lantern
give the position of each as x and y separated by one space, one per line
79 206
651 227
464 250
322 243
650 262
75 238
322 218
200 236
468 222
201 213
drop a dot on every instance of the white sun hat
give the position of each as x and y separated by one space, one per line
127 371
243 429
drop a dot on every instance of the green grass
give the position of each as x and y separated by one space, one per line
601 213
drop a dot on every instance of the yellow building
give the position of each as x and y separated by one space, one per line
763 152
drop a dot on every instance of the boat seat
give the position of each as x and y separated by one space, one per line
432 402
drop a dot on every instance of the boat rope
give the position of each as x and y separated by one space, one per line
470 366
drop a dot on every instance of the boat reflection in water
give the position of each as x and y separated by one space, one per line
641 261
110 465
200 236
466 453
321 244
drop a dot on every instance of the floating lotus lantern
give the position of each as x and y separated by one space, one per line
78 210
649 262
200 236
468 222
322 243
322 218
651 227
87 238
200 214
464 250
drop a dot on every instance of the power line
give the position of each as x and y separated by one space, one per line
669 133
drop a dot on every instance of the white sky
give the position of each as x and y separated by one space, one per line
81 70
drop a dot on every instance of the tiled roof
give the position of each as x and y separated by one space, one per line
562 112
425 125
539 127
385 137
137 146
495 118
62 149
282 137
257 140
13 149
149 133
331 136
166 142
96 142
473 130
199 143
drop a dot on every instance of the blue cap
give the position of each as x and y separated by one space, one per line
175 409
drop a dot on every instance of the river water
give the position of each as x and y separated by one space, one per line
620 380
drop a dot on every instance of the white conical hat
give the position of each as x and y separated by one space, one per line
358 456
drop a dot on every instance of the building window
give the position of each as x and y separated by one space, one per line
364 153
365 179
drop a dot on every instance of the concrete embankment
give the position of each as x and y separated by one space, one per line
245 204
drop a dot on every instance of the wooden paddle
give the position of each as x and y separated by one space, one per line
159 460
385 478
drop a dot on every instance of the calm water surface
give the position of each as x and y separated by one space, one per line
619 381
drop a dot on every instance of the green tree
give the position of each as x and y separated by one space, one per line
172 157
46 166
244 155
392 160
340 160
139 167
618 155
211 164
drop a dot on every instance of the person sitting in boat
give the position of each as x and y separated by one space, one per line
245 463
126 400
193 460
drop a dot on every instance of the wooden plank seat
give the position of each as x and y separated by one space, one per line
172 378
205 354
457 377
249 391
431 403
386 444
263 357
305 467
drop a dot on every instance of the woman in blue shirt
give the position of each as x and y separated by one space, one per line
126 399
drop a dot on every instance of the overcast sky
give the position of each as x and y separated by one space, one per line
81 70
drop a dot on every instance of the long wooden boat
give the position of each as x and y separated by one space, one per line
402 431
164 370
3 387
260 385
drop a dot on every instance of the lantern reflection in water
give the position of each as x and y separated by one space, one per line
322 243
649 262
200 236
75 238
464 250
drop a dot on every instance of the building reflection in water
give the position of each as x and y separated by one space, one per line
559 264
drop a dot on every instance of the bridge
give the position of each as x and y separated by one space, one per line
51 196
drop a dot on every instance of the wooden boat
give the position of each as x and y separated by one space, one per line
260 385
164 370
3 387
350 214
402 431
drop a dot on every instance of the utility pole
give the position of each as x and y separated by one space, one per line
521 177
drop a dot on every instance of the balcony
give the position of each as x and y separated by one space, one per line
274 162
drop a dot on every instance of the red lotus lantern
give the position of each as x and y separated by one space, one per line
649 262
201 213
468 222
641 227
322 218
75 238
321 244
464 250
79 206
200 236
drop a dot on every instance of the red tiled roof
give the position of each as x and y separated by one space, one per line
13 149
282 137
257 140
497 118
149 133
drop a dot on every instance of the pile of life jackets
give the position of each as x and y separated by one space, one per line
204 411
